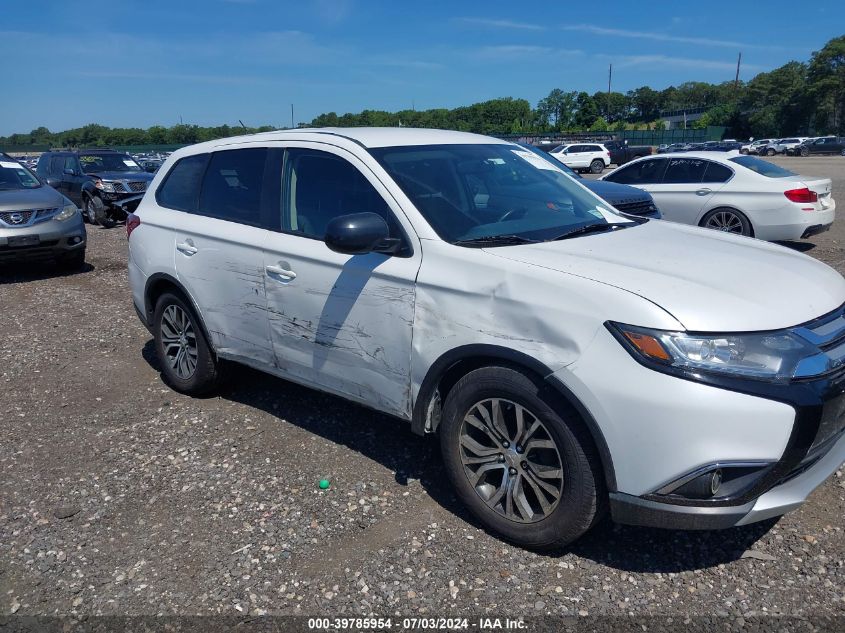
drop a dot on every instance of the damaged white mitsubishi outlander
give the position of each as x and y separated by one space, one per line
572 359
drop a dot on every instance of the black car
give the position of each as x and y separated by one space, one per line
97 180
823 145
623 198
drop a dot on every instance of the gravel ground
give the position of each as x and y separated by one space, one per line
120 496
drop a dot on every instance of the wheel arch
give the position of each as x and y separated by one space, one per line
445 372
159 283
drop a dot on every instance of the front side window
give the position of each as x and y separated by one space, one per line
762 167
57 166
644 172
231 189
684 170
320 187
476 192
181 188
69 164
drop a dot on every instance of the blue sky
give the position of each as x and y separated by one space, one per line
141 63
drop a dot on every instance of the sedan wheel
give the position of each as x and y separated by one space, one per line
511 460
727 221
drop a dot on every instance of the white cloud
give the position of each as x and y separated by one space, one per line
662 37
663 61
502 24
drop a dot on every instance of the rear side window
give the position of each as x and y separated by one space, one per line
181 188
717 173
684 170
643 172
57 165
231 189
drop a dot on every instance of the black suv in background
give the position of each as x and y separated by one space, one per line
99 181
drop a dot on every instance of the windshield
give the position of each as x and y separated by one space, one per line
471 192
14 176
92 163
762 167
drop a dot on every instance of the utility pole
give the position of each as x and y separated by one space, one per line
609 77
736 79
291 116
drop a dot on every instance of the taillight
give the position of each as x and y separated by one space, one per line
801 195
132 223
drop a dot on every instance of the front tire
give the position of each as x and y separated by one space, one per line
805 152
770 152
597 166
728 221
187 361
521 462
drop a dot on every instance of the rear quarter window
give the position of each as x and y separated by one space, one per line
181 187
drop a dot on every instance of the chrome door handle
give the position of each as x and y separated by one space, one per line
278 271
187 248
704 192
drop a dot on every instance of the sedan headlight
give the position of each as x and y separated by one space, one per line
771 356
67 212
108 187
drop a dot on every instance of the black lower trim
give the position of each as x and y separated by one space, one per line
632 510
142 317
815 230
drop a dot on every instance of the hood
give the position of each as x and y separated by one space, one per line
708 280
123 175
43 197
614 193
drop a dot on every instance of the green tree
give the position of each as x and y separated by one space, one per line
826 86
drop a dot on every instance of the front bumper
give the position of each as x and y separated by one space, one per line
48 241
661 429
783 498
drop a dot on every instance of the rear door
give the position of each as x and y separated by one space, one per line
340 322
219 235
681 194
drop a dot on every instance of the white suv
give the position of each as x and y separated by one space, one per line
593 157
570 358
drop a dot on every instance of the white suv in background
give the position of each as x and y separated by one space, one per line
593 157
570 358
780 147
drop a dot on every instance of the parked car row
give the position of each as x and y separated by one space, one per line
796 146
569 357
728 145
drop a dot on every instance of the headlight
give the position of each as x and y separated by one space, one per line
67 212
108 187
772 356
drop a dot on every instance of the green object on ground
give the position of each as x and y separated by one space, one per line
324 484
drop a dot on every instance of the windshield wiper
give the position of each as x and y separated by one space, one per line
496 240
590 228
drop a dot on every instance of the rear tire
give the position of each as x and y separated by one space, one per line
727 220
770 152
187 361
805 151
597 166
560 444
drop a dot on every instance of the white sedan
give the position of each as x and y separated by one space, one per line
733 193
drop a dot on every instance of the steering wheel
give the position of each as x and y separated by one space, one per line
513 214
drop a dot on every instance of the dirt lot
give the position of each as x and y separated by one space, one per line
120 496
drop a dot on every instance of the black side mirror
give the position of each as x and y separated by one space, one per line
360 233
69 172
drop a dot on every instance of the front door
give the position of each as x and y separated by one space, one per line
340 322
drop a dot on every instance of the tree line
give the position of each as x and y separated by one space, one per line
797 98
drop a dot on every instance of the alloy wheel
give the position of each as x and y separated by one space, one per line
179 341
511 460
90 211
725 221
